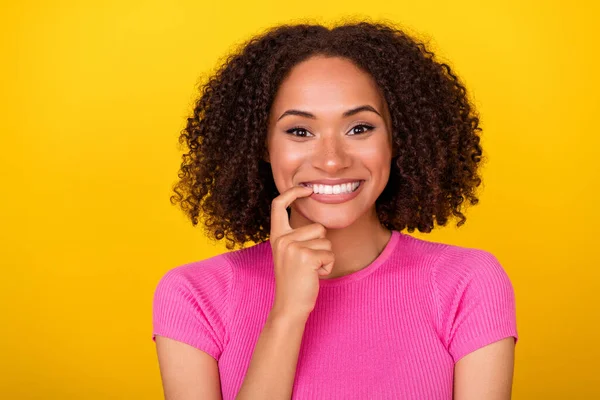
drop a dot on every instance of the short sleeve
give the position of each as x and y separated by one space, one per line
191 304
476 300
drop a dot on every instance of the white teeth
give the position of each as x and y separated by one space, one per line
335 189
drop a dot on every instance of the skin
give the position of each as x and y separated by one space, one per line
331 146
486 373
326 87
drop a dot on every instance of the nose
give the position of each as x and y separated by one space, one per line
331 154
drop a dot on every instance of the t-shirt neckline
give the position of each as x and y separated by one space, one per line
369 269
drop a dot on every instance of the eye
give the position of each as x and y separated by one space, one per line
360 127
297 129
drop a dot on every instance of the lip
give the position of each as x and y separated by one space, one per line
333 181
337 198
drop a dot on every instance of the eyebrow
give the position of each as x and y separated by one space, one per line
345 114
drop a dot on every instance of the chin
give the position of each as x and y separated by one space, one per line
328 220
333 224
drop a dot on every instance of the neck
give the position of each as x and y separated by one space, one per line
355 246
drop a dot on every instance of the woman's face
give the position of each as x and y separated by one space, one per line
309 138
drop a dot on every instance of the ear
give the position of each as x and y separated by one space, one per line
266 157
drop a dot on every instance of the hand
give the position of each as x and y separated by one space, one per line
300 256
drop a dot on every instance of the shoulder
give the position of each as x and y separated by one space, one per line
193 294
472 297
202 275
461 266
475 299
194 303
214 276
451 263
455 270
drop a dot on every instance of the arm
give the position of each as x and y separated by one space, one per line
486 373
187 372
272 369
477 318
190 310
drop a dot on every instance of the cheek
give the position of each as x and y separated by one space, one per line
285 162
376 157
285 157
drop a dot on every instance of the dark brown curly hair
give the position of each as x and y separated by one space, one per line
435 130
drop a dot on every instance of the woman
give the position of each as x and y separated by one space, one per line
358 133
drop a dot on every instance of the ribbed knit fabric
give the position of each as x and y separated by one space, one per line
392 330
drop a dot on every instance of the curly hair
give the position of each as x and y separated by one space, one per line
435 128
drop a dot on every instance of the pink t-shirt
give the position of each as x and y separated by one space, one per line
393 330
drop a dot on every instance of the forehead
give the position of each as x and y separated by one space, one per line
325 85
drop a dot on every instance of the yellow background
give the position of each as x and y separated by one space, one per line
94 95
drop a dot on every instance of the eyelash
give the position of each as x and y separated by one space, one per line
368 127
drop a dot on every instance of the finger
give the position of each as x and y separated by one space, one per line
280 222
316 244
307 233
322 258
325 269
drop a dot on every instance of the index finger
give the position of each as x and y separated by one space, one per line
280 223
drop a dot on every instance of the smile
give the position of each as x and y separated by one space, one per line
333 189
335 194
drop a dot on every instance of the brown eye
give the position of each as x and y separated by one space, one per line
302 131
362 129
